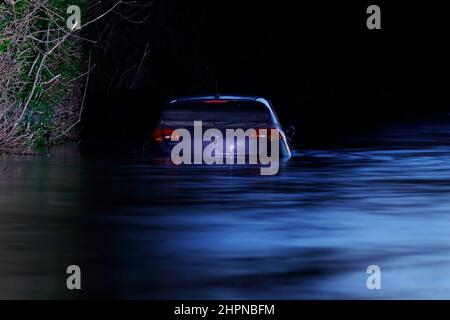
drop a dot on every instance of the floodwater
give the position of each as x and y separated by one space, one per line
141 229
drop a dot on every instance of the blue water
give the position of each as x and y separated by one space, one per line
142 229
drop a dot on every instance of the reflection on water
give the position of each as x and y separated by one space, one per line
139 229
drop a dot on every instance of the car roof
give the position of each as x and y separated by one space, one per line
220 97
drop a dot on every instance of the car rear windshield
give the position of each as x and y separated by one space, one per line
218 110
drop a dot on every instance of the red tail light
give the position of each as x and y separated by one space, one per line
267 134
162 134
215 101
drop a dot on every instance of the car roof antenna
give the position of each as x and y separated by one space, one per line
217 90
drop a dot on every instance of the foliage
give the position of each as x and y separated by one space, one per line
41 68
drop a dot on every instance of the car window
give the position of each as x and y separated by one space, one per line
226 110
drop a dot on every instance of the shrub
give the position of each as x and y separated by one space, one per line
42 74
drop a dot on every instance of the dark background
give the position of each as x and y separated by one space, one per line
323 70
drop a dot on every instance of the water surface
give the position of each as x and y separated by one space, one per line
142 229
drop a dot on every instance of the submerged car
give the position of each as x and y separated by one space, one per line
221 113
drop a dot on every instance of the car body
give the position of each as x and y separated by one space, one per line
221 112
